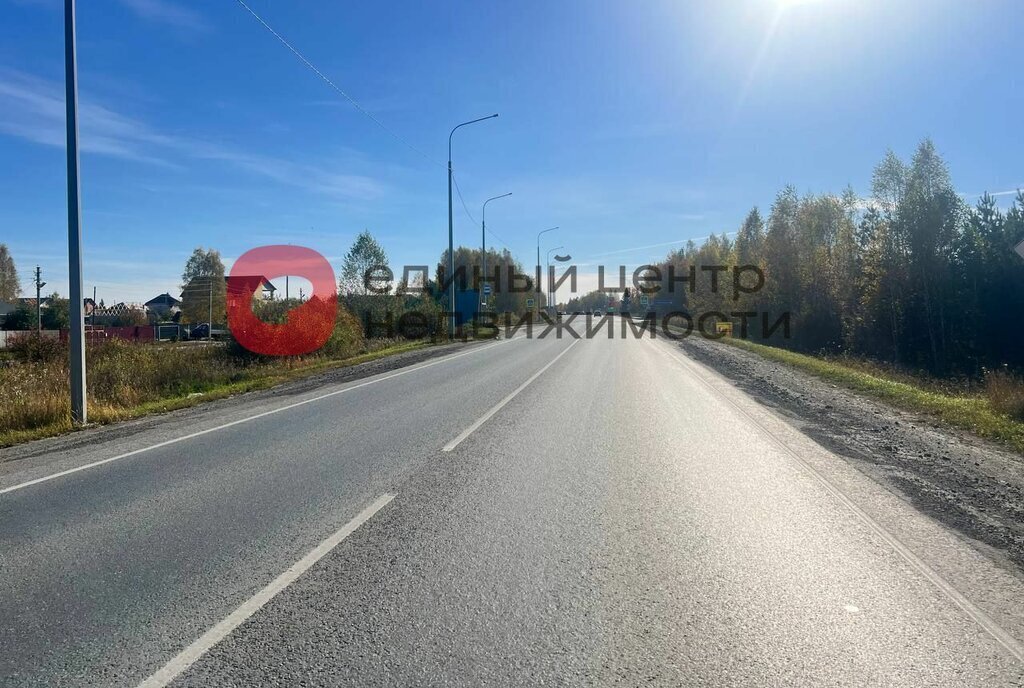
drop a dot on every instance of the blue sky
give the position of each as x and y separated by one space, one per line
628 124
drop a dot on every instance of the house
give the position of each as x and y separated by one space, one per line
257 285
30 303
119 314
163 306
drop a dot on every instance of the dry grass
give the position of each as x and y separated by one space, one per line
127 380
1005 393
988 414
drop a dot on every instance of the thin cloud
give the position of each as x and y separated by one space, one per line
165 12
33 109
995 194
649 246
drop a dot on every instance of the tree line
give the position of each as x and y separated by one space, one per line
912 275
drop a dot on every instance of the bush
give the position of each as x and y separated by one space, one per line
34 348
1005 392
347 337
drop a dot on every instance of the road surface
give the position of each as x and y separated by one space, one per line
525 512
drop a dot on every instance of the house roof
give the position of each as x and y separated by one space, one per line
119 309
163 299
31 302
249 282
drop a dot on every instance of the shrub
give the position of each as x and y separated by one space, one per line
1005 392
31 347
346 338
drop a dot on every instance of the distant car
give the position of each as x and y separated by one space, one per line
202 331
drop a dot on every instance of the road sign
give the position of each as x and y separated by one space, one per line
723 329
644 300
529 303
487 290
1020 249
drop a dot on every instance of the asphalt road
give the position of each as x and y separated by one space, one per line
527 512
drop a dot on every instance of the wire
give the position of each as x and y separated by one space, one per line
334 86
459 192
470 215
363 110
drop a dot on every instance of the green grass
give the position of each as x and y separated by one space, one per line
43 409
969 410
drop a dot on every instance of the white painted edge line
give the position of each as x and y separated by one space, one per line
166 443
191 654
1001 635
497 407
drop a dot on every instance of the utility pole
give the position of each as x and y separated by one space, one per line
540 281
451 230
39 313
483 247
77 306
547 263
209 325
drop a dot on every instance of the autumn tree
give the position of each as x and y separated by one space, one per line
10 286
203 290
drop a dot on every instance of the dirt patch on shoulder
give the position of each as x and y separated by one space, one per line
962 481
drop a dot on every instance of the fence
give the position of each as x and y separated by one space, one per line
139 333
7 336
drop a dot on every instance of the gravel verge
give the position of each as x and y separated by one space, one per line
969 484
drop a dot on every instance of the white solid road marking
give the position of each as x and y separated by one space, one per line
1000 634
497 407
191 654
94 464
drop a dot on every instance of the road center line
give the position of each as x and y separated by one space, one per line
986 622
191 654
497 407
247 419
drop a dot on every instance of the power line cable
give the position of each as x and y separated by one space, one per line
470 215
459 192
334 86
302 58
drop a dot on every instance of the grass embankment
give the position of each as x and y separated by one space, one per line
991 411
130 380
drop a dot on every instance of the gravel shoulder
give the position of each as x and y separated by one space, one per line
968 484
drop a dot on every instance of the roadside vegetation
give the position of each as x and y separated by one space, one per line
127 379
911 274
992 408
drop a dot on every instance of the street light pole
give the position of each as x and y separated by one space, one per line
547 263
451 229
483 242
539 280
77 306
